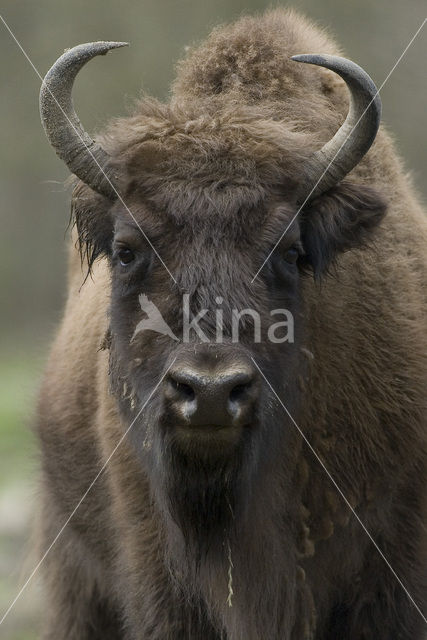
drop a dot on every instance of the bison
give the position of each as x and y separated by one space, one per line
237 489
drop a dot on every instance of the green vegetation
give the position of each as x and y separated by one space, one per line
19 376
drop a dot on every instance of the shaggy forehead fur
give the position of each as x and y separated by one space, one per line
225 141
229 160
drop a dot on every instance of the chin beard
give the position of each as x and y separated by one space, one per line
202 497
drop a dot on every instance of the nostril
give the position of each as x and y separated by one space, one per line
182 390
239 391
185 390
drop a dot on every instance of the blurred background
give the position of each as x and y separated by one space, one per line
34 205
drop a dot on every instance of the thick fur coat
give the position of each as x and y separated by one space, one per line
211 177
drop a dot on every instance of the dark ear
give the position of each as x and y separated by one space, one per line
91 213
343 218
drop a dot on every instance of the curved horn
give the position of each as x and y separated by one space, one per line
82 155
353 139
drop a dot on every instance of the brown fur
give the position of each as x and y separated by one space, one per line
211 178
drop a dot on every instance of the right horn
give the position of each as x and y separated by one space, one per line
82 155
343 152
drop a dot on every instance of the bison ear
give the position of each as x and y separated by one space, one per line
341 219
91 213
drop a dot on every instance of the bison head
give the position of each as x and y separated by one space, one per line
223 215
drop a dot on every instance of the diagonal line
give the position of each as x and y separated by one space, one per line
343 496
345 140
58 535
87 148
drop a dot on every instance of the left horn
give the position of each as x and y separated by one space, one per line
82 155
343 152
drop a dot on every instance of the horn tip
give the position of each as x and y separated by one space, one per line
117 45
101 47
104 46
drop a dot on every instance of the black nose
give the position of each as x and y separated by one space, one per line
224 397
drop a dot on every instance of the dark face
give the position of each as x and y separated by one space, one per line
211 413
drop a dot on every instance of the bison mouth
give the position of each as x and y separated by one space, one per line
208 440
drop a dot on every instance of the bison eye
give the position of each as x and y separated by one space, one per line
291 255
125 255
